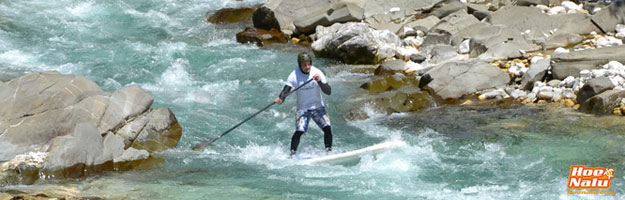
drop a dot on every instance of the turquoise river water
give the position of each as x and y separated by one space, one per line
211 82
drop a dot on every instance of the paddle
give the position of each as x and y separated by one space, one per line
204 144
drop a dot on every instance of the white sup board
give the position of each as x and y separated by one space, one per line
352 155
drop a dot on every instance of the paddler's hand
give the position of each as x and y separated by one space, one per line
317 77
278 100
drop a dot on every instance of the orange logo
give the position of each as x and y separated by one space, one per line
582 177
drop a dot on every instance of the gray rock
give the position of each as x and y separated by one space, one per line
447 7
280 14
41 106
36 93
424 24
384 22
554 83
441 53
390 67
344 12
113 147
131 130
603 103
132 154
609 17
161 132
540 24
536 72
482 14
417 57
355 43
454 23
82 146
532 2
593 87
507 50
562 40
124 103
570 64
453 80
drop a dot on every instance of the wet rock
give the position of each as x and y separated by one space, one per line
355 43
455 79
261 37
161 131
389 82
265 18
131 154
405 99
571 64
536 72
231 15
603 103
593 87
390 67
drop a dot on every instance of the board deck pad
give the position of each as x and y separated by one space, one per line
351 155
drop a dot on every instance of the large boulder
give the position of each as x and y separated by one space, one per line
570 64
355 43
453 80
603 103
451 25
77 125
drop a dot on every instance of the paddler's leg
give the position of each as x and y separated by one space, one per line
321 118
301 125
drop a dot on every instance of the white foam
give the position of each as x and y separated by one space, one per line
176 75
82 9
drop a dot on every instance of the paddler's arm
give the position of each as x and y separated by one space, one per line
283 94
325 87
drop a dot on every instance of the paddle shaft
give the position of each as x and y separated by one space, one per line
204 144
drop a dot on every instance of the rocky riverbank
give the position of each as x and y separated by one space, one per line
436 52
64 126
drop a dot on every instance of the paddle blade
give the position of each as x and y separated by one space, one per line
204 144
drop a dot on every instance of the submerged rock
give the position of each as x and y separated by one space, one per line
231 15
261 37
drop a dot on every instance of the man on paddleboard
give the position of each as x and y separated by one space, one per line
309 100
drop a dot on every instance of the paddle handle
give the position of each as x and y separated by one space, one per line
204 144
